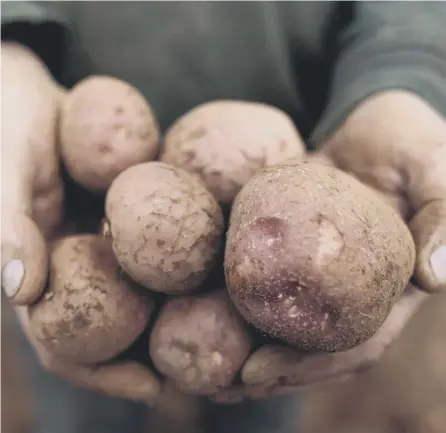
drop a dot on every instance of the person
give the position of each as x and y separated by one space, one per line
365 83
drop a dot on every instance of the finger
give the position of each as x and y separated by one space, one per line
319 157
426 190
30 167
126 379
238 394
274 365
123 379
434 421
405 157
429 231
24 260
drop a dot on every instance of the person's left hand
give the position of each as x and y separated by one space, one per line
396 143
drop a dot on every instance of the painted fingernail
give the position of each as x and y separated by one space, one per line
12 277
438 263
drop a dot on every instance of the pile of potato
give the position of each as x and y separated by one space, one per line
308 257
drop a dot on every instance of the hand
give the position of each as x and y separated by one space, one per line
395 143
33 215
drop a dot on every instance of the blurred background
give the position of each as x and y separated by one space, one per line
404 393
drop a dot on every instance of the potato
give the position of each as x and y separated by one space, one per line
91 311
226 142
200 342
165 226
106 126
314 258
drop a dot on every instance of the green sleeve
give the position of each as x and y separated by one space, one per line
38 25
388 45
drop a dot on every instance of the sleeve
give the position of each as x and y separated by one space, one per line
40 26
388 45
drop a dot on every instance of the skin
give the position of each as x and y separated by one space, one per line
91 311
432 422
32 192
388 156
106 126
165 227
200 342
365 144
24 243
226 142
314 258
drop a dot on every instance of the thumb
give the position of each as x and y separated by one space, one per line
24 256
426 190
24 259
429 231
424 196
29 166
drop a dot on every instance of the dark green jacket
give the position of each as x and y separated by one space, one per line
315 60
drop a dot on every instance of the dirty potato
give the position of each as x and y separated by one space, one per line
166 228
314 257
200 342
106 126
226 142
91 312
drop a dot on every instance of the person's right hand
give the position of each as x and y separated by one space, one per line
33 215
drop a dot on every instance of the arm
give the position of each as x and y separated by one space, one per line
388 45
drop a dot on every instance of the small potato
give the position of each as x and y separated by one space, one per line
314 257
165 226
106 126
200 342
91 311
226 142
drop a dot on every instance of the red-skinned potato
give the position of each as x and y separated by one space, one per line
106 126
91 311
226 142
166 228
200 342
315 258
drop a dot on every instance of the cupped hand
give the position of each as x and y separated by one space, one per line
33 215
395 143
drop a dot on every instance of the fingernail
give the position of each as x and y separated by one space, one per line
438 263
12 277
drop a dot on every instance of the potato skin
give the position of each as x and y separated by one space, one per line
91 311
166 228
106 126
315 258
200 342
226 142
